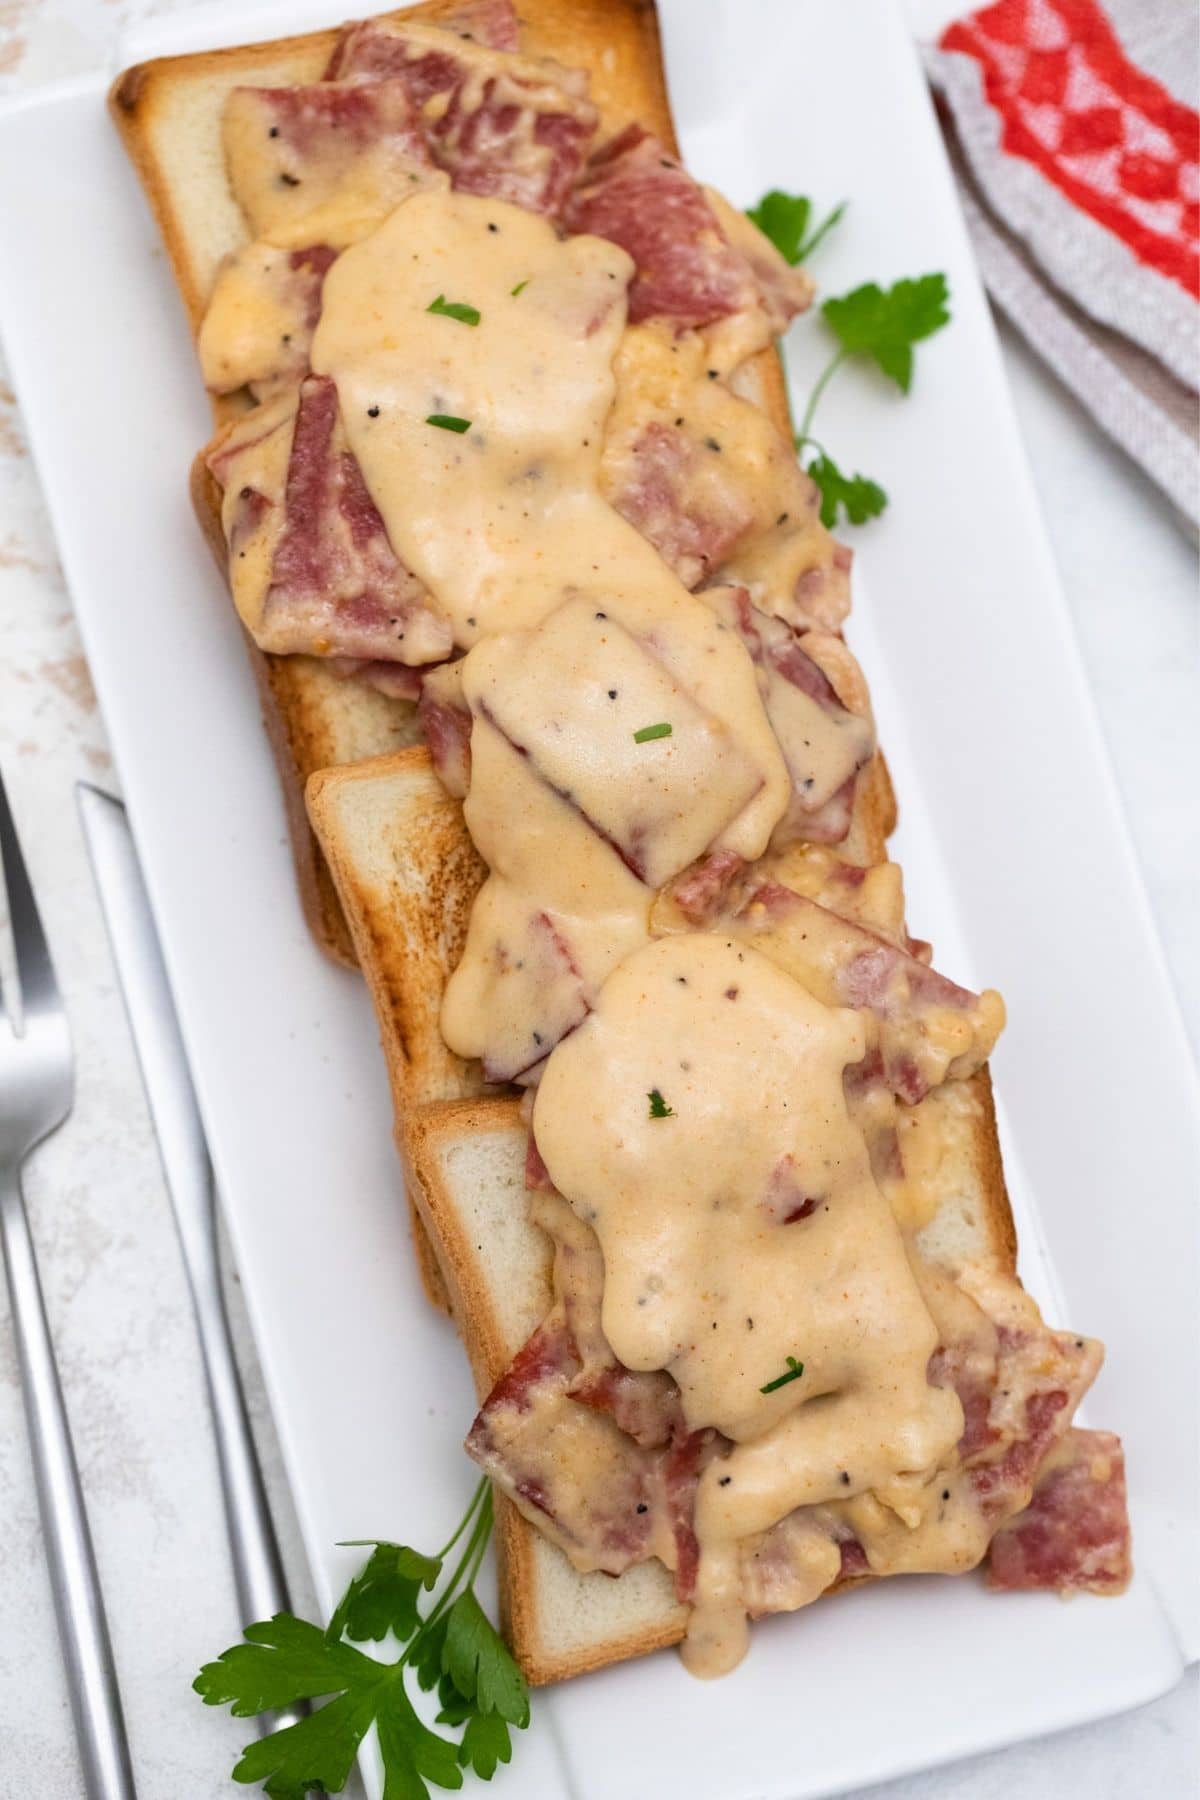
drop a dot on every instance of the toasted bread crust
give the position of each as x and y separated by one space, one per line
410 911
406 926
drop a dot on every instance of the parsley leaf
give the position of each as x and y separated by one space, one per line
383 1596
480 1667
658 1106
412 1754
486 1741
884 324
784 218
454 1709
285 1660
648 733
857 495
425 1657
317 1752
282 1660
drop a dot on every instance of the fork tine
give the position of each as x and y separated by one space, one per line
35 971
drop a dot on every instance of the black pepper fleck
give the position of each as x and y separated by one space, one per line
274 131
372 412
844 1478
642 1507
724 1480
712 443
612 693
287 180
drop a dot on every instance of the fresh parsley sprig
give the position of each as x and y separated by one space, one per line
885 323
453 1647
785 219
880 325
859 497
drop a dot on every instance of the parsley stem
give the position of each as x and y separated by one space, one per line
476 1545
480 1530
480 1489
823 381
480 1553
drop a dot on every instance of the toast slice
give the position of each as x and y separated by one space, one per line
404 854
390 835
168 113
468 1164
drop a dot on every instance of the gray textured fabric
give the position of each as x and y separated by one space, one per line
1081 256
1141 405
1160 36
1122 337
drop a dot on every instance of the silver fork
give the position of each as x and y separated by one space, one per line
36 1091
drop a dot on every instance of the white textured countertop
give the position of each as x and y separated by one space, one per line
110 1265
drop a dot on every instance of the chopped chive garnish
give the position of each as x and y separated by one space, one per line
447 422
658 1106
520 288
651 731
794 1371
455 309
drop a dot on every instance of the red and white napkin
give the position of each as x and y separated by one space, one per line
1073 132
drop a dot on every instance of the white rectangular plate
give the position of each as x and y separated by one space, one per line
1019 867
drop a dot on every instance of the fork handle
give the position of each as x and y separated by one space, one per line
87 1652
